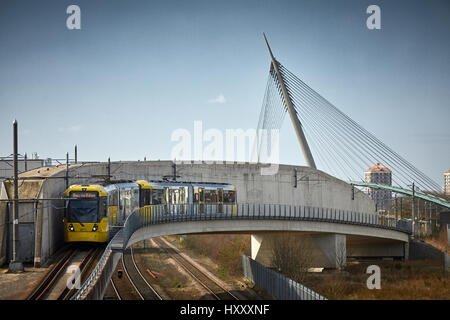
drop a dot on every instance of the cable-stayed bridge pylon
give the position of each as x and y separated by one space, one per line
340 146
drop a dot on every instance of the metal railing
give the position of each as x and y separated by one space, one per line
275 284
157 214
94 287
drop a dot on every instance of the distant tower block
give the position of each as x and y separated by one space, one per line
447 183
379 174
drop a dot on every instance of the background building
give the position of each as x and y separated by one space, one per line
24 164
447 182
381 175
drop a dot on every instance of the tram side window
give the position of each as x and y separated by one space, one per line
160 197
149 198
210 196
125 197
183 195
175 196
228 196
102 212
113 198
232 196
121 198
144 197
157 196
168 196
134 199
196 197
207 197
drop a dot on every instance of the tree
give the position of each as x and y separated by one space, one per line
341 255
291 255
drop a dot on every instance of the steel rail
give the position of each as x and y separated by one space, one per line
115 289
186 265
131 281
142 276
51 277
87 261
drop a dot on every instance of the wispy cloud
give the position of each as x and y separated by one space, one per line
219 99
70 129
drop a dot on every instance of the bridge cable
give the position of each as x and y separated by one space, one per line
334 109
328 128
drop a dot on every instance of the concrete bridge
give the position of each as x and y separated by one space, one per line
332 235
327 213
42 208
325 230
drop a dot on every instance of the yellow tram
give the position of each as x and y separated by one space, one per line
86 216
93 212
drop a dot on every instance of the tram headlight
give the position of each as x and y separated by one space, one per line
95 227
71 227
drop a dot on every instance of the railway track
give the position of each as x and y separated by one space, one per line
86 266
136 285
217 291
121 287
54 286
116 292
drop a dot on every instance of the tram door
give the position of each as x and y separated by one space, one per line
201 200
220 200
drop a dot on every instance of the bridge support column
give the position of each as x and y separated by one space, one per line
256 241
326 250
332 250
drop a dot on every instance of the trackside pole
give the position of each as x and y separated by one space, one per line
15 264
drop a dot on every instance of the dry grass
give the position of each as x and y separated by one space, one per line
440 241
411 280
224 249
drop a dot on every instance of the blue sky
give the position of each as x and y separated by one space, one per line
138 70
